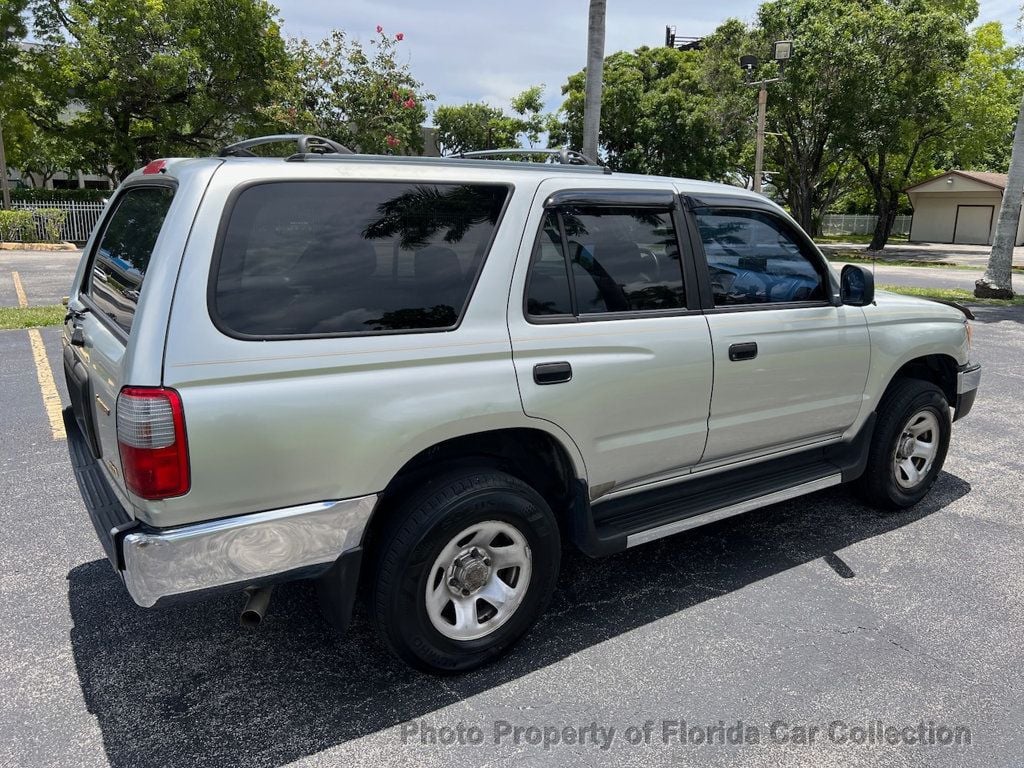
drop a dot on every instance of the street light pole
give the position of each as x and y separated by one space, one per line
762 104
782 50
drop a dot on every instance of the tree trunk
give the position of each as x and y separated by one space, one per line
595 75
800 203
885 209
997 282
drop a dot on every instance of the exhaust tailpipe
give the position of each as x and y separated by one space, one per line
256 602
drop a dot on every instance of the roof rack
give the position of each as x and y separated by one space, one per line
563 156
305 144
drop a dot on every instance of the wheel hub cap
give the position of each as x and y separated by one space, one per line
906 447
916 450
478 580
470 572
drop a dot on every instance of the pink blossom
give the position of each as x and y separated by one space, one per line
379 29
400 37
409 103
392 141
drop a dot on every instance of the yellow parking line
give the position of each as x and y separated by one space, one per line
20 290
51 397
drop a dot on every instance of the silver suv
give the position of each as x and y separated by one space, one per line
417 378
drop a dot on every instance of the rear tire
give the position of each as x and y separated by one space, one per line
466 566
909 445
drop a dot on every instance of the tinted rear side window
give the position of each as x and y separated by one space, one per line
309 258
122 256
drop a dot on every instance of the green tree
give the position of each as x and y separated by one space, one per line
12 122
476 126
43 154
361 96
809 106
908 51
156 78
983 101
657 116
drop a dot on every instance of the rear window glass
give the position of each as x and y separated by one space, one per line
123 253
308 258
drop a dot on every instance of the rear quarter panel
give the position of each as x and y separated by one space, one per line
112 361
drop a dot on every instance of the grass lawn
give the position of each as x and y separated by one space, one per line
953 294
858 257
859 239
30 317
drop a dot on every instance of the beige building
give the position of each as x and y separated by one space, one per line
958 207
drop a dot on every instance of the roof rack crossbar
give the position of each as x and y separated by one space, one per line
304 142
563 156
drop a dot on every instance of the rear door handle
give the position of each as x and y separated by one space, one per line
745 351
552 373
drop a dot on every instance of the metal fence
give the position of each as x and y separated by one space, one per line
856 224
82 217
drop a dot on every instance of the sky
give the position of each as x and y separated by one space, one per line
489 51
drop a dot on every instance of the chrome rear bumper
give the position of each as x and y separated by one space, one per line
187 561
241 550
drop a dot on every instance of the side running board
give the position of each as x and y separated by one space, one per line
704 518
618 523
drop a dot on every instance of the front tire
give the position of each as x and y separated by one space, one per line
467 565
909 445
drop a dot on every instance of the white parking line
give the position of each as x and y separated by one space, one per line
47 386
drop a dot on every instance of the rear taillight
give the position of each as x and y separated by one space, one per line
151 438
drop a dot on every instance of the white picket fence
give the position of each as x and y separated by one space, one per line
82 216
856 224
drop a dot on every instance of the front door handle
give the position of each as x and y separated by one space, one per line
745 351
552 373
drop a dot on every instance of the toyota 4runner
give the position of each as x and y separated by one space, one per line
424 375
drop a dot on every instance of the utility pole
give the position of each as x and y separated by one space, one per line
595 76
4 183
762 105
782 50
6 32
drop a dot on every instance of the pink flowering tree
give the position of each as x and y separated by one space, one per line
360 95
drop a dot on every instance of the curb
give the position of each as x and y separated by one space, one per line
38 247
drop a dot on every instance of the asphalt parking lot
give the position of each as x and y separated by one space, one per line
812 612
44 277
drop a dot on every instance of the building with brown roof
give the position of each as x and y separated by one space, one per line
958 207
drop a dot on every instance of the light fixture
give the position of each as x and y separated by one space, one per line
782 50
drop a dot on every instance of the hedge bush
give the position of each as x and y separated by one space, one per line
23 226
51 195
51 222
17 226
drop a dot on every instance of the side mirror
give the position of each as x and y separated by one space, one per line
856 286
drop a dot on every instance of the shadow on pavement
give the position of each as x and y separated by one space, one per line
988 314
185 685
